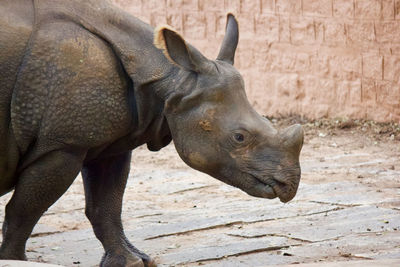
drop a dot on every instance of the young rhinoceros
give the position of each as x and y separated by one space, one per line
83 83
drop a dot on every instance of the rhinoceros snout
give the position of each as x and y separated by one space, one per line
286 184
285 178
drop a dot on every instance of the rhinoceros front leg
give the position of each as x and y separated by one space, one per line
39 185
105 182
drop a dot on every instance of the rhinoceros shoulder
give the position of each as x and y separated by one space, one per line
71 88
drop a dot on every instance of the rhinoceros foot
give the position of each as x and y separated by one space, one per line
6 254
131 258
148 262
120 260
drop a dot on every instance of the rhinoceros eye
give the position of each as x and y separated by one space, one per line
239 137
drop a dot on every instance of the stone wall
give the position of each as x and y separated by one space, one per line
318 58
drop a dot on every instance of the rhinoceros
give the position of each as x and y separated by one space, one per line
83 83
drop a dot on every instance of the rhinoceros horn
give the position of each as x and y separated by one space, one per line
292 138
229 44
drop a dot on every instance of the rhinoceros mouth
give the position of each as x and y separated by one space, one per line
270 188
280 189
260 188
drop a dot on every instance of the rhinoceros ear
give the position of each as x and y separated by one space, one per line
178 51
229 44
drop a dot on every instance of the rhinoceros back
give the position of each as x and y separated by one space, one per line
16 23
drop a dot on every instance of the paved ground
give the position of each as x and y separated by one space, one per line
347 209
12 263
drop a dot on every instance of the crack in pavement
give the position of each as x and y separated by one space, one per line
148 215
352 256
195 230
45 234
191 189
247 252
336 204
309 241
276 235
60 212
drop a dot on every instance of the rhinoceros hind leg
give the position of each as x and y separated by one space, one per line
105 182
39 185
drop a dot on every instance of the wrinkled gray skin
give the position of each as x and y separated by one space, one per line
82 84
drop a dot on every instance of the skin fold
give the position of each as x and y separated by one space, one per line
82 84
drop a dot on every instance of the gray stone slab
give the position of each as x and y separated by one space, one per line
213 252
194 222
353 246
364 263
66 248
334 224
346 193
11 263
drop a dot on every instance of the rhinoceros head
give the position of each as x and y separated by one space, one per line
215 129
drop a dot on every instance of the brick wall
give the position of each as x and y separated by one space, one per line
318 58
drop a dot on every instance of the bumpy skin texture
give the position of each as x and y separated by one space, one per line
82 84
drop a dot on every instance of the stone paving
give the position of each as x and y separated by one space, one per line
347 210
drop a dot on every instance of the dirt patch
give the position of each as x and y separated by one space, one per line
379 131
